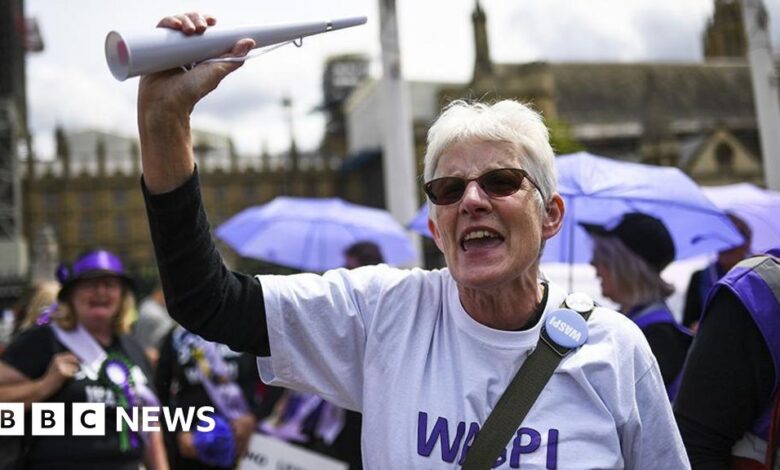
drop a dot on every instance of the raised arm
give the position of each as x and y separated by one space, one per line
200 293
165 101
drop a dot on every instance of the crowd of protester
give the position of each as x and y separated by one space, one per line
395 368
723 391
726 408
70 337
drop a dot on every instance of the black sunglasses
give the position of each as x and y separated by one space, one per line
496 183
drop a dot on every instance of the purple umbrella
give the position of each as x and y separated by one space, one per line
600 190
420 222
311 234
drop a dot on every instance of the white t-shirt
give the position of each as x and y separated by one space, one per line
398 346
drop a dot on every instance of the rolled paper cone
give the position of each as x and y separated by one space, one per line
161 49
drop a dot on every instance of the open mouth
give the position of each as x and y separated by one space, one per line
99 304
480 239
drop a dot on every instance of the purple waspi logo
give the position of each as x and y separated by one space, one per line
526 441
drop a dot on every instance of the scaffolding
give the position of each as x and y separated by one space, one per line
13 251
10 207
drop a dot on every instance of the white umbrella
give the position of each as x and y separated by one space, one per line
759 208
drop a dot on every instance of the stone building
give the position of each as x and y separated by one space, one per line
697 116
90 195
18 36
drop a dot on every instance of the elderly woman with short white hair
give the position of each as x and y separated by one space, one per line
424 355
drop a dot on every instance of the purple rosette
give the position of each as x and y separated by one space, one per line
216 447
115 372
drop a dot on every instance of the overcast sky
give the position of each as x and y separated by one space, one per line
69 83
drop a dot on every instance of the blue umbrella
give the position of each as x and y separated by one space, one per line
420 222
600 190
312 234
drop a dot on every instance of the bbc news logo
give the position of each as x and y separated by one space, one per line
89 419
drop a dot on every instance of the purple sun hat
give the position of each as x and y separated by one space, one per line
92 264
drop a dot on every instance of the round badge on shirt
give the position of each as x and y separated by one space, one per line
566 328
579 302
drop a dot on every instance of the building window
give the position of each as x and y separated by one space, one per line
119 197
311 189
50 201
121 227
87 229
249 193
86 200
724 156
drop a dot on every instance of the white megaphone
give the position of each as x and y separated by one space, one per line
163 48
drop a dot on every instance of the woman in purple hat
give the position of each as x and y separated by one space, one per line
83 355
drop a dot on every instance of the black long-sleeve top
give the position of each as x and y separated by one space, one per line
693 299
200 292
726 385
669 346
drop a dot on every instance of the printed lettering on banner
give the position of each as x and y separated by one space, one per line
269 453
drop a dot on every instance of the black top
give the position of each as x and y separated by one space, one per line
177 376
30 353
693 299
194 278
698 288
669 346
179 382
727 383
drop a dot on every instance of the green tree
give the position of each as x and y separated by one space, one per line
561 137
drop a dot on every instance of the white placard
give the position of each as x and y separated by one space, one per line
270 453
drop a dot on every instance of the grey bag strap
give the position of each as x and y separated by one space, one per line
766 267
521 394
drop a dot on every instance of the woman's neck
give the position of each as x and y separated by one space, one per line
103 334
508 307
